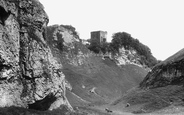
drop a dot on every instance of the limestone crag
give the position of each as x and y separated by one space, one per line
66 45
128 57
168 72
29 74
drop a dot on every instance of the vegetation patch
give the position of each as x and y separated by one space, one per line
23 111
153 100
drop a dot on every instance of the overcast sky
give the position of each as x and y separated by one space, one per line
159 24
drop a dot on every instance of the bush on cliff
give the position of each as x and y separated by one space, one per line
124 39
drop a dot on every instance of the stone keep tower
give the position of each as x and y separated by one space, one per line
99 36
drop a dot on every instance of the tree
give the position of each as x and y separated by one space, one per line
94 46
123 39
104 47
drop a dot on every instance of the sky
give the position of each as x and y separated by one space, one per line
159 24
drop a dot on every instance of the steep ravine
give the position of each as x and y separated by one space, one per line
34 59
30 77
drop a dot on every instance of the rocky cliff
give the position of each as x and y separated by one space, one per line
125 57
30 77
168 72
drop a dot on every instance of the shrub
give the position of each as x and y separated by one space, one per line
121 39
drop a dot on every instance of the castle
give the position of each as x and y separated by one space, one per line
99 36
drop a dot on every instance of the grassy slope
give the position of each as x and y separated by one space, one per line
152 100
22 111
109 80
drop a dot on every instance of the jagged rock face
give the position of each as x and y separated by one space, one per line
28 71
168 72
128 57
66 44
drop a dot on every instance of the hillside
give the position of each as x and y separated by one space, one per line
95 79
160 92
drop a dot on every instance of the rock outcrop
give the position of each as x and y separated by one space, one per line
30 76
168 72
66 45
130 56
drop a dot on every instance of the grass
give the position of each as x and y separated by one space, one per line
23 111
153 100
91 111
109 80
